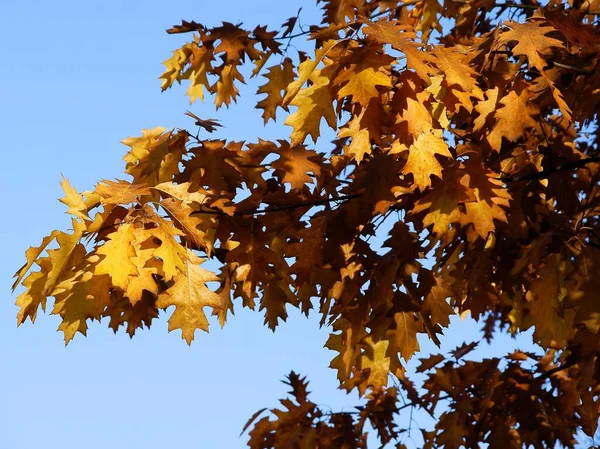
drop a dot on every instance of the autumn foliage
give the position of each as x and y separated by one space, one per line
466 135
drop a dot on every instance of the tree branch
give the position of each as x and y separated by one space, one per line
550 171
593 12
282 208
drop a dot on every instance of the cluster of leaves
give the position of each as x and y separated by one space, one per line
476 144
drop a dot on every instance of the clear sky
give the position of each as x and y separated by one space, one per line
78 77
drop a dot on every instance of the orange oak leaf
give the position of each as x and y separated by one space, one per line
532 40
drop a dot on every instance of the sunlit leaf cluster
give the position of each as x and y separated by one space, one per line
466 134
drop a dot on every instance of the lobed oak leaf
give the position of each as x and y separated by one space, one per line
403 338
200 66
209 125
190 295
512 119
65 257
435 304
374 360
225 89
144 280
74 200
31 256
532 40
185 192
464 349
415 119
279 78
80 298
337 11
308 251
275 297
457 72
175 65
486 108
121 192
295 163
360 145
429 362
360 80
422 161
442 204
346 344
553 324
213 166
305 71
118 252
489 194
452 432
199 229
34 295
168 249
392 33
313 103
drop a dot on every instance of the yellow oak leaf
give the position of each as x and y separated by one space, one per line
225 87
346 344
360 145
59 263
375 360
144 281
361 81
62 259
169 250
190 295
34 296
74 200
121 192
314 103
155 157
422 161
81 298
199 229
305 71
31 255
118 252
182 192
279 77
174 65
196 74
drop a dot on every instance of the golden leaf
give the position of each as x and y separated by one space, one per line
189 294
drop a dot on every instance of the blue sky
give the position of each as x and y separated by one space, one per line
77 78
